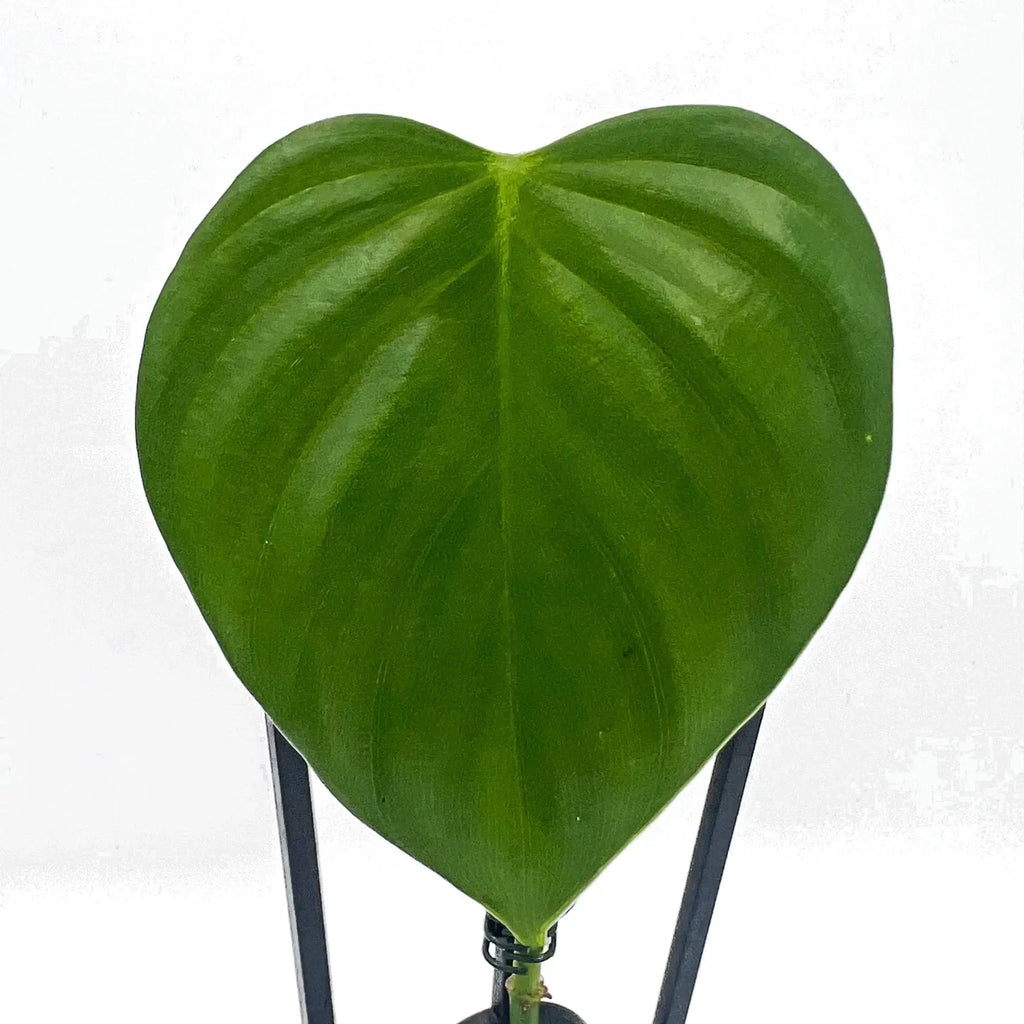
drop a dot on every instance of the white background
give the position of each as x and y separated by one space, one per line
876 873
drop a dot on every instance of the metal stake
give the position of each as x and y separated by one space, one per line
305 909
302 877
721 807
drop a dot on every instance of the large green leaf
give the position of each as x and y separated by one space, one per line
512 485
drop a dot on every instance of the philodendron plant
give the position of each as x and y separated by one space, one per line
512 485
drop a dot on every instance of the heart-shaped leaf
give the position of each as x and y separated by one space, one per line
512 485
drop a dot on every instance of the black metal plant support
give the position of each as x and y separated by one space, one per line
309 942
297 830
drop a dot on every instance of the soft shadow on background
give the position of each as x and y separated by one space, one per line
875 871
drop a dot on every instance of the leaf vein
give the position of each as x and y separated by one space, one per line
757 274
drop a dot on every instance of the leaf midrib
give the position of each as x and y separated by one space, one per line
507 202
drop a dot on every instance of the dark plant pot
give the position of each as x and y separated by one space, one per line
550 1013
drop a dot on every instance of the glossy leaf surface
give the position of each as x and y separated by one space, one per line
511 486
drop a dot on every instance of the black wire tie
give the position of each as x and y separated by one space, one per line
507 950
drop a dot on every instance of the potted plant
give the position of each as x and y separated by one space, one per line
511 485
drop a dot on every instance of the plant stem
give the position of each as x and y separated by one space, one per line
525 992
